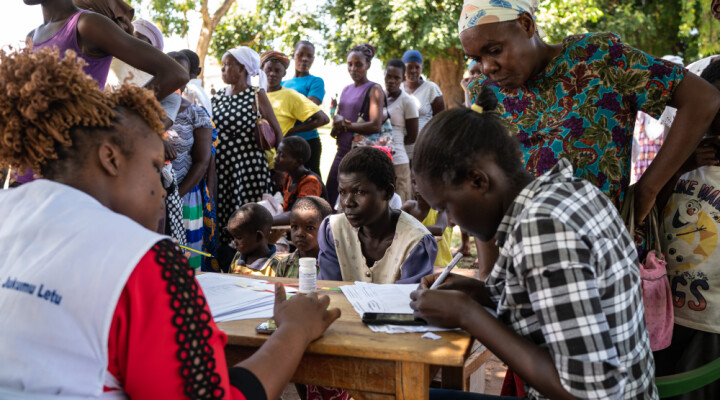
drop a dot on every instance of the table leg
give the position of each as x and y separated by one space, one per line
412 381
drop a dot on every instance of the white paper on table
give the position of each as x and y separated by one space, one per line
388 298
229 302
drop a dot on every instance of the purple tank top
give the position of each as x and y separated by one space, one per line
66 39
351 100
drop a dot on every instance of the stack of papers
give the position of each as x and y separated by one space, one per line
391 298
232 298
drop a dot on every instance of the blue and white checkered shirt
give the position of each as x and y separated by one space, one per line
568 280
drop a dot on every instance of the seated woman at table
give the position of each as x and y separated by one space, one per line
369 241
566 287
299 181
123 296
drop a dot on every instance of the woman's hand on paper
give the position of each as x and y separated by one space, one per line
304 314
443 308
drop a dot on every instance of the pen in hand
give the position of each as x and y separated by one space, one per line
446 272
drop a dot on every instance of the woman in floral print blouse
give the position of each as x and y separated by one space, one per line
578 99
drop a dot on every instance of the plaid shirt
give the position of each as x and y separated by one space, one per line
567 279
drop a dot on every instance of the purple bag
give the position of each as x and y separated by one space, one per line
264 133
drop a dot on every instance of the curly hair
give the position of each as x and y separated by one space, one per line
50 110
297 147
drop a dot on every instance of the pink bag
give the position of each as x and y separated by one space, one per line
657 297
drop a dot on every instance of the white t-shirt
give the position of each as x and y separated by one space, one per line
423 96
689 233
401 109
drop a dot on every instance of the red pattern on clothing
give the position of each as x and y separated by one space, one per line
143 343
309 185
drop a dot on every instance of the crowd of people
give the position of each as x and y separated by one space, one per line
127 177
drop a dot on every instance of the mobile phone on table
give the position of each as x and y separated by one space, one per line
391 319
267 327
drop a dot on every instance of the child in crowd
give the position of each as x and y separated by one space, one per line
249 227
307 214
688 233
299 181
435 221
369 241
404 118
566 287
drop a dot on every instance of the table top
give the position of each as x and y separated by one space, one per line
348 336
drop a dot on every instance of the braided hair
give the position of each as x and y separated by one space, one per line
52 112
366 50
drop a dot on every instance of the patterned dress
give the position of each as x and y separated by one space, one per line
181 135
242 171
582 107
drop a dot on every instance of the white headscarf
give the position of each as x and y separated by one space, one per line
250 59
479 12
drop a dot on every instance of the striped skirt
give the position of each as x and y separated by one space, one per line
193 223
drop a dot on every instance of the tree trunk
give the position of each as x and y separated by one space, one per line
208 28
446 72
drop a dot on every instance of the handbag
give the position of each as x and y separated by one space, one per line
657 297
264 133
380 139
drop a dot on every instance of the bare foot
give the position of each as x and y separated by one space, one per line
464 250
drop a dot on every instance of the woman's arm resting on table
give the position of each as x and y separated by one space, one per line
456 309
697 104
300 320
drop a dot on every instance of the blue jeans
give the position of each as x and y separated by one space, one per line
444 394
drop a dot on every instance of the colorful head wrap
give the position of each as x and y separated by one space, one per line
274 56
250 59
479 12
412 56
150 31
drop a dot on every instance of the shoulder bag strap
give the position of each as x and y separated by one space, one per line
256 104
366 105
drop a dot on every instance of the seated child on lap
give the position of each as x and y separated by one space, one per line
249 227
305 219
369 241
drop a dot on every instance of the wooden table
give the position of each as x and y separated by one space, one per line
349 355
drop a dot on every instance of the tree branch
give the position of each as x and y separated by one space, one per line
222 10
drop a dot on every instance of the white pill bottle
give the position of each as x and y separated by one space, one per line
307 275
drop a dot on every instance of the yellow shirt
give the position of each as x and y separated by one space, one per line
444 256
291 107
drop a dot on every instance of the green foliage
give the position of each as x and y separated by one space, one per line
392 27
170 15
274 23
658 27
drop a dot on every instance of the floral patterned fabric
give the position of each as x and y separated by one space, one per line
582 107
